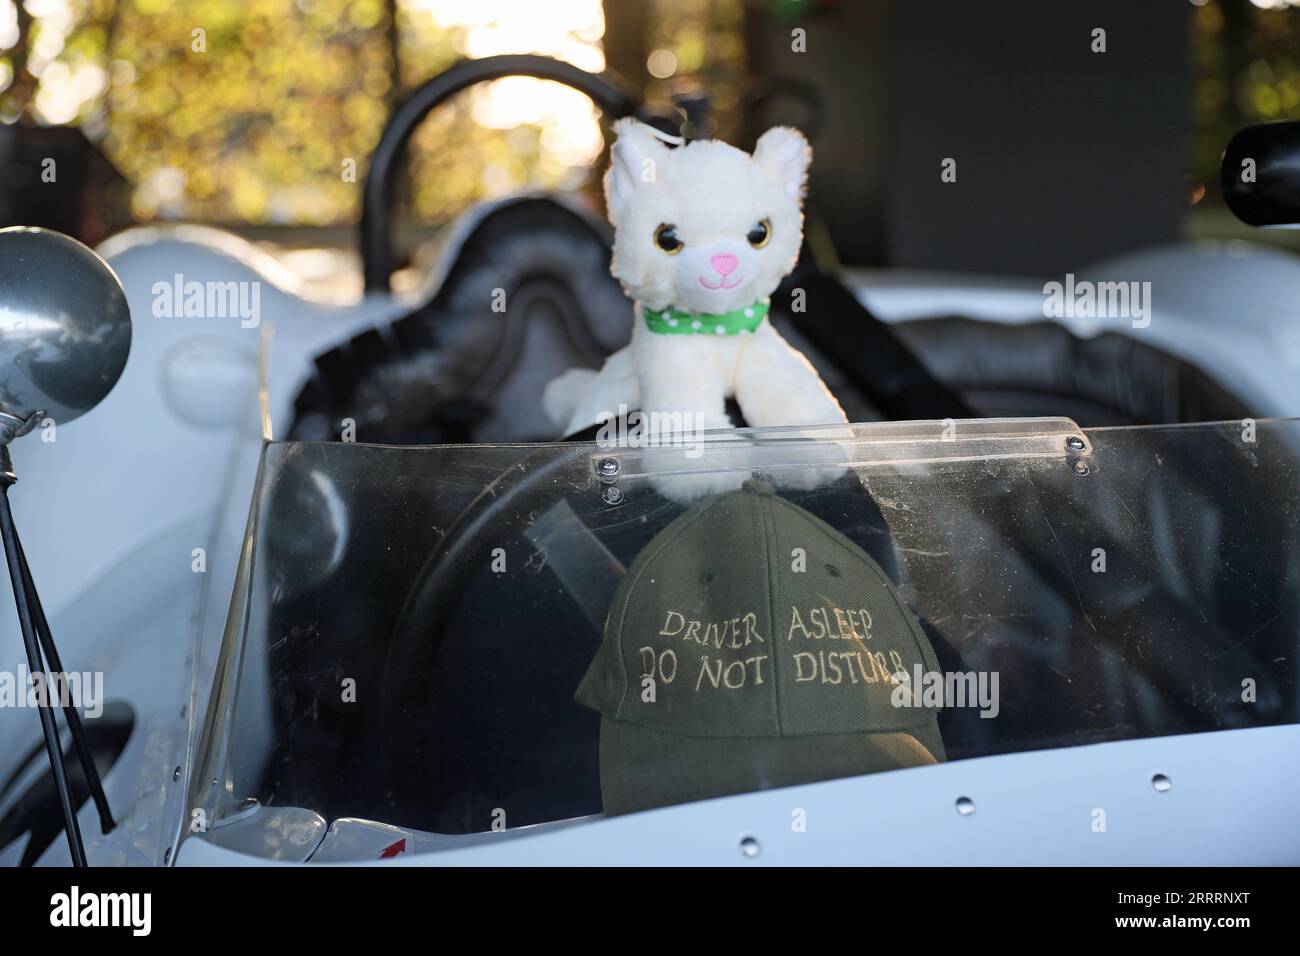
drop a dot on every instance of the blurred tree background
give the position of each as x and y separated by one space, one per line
254 112
251 114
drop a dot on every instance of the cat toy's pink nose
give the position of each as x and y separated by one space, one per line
725 263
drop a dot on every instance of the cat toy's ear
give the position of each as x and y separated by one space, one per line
634 159
785 154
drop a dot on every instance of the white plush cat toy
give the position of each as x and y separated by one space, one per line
703 234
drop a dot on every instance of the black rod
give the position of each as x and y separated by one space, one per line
606 91
48 726
70 711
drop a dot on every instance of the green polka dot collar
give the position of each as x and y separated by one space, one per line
672 321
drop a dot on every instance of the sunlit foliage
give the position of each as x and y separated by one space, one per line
508 135
265 111
246 112
52 63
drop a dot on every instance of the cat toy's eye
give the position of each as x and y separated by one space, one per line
758 236
666 239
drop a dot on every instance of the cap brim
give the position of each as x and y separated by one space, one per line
641 769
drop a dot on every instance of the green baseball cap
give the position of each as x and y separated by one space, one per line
751 645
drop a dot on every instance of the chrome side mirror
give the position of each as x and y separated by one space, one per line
65 332
65 329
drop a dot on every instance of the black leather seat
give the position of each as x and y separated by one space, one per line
1044 369
458 370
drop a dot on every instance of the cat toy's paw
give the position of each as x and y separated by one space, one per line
710 460
805 460
562 394
687 489
808 478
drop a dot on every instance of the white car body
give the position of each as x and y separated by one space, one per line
113 513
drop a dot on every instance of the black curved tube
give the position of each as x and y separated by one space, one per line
1260 174
26 621
376 210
